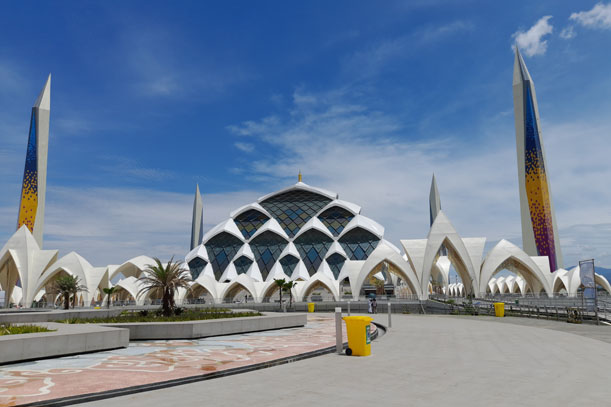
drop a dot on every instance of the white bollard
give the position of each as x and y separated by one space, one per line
339 342
348 308
389 316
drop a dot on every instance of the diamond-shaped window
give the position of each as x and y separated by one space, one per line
359 243
249 222
221 249
336 219
289 263
336 262
196 266
267 247
242 264
294 209
312 247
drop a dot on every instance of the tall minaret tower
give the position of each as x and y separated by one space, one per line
197 224
434 201
34 187
539 230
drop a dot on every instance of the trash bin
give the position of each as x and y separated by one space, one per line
359 340
499 309
310 307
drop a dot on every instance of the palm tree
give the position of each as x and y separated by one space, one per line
165 279
68 285
109 291
288 287
280 282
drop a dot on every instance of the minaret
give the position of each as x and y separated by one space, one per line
435 207
539 230
197 224
33 189
434 201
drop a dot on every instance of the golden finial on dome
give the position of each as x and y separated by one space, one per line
299 178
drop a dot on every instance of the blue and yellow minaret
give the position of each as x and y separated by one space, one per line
33 189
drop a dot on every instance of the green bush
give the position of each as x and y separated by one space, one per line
8 329
145 316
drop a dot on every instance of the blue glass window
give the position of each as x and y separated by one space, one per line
336 219
359 243
249 222
221 249
336 262
294 208
289 263
312 247
242 264
196 266
267 247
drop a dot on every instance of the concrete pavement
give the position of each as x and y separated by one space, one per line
422 361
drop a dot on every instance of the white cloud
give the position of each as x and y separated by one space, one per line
531 42
598 17
246 147
568 32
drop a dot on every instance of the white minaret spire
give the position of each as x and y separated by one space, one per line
197 224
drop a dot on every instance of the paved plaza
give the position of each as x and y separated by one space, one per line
149 362
426 361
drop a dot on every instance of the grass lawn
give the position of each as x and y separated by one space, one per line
8 329
155 316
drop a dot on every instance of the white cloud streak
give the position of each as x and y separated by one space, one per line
598 17
531 41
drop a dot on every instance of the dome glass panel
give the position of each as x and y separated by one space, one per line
336 262
196 266
359 243
267 247
294 208
249 222
289 263
336 219
312 247
221 249
242 264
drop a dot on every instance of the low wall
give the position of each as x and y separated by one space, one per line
212 327
65 340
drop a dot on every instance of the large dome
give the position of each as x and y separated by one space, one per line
294 233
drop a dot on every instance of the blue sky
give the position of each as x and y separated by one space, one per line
368 99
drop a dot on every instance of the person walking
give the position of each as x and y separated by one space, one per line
370 308
374 306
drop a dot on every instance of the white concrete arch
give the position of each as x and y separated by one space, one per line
242 282
349 206
22 259
384 252
318 279
132 286
442 233
248 207
207 283
560 281
506 255
363 222
600 280
133 267
314 224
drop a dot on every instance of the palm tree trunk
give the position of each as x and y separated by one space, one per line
66 301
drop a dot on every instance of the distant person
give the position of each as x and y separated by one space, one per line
374 306
370 309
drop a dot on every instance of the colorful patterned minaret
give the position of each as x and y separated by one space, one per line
539 231
197 223
32 203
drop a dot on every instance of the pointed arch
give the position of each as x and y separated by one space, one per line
317 280
442 233
506 255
